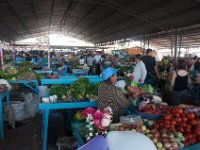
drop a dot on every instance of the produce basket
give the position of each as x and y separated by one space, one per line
147 115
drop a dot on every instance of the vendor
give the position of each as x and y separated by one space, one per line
111 96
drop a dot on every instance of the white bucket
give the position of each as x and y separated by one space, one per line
43 91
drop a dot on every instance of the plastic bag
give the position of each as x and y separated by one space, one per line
31 104
18 110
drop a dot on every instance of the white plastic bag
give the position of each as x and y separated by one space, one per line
31 104
18 110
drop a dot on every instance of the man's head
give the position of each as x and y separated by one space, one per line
149 51
138 58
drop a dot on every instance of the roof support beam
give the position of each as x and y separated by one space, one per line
68 11
52 6
102 19
34 14
86 15
128 11
129 17
17 17
157 19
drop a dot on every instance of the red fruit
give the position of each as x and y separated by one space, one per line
179 110
191 116
178 119
193 122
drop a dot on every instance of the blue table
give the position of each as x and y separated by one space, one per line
27 84
2 96
80 72
43 71
67 81
46 107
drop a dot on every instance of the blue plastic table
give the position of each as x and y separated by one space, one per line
2 96
80 72
46 107
27 84
67 81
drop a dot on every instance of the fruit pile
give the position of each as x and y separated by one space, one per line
163 139
178 119
152 108
134 92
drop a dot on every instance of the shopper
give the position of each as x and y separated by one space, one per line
151 67
81 61
179 83
194 60
97 63
140 71
110 96
197 65
90 63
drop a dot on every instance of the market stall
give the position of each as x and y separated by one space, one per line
56 106
4 94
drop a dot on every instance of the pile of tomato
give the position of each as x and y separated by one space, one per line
177 119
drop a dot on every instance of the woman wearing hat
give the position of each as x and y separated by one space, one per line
111 96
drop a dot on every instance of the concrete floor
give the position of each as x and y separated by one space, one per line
28 136
25 137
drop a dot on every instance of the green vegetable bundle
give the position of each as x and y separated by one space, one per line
148 88
61 91
82 89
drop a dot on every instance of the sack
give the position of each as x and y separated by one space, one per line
31 104
18 111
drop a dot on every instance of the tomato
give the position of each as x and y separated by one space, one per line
178 119
177 115
191 115
167 122
173 122
184 125
167 117
188 130
179 110
193 122
185 119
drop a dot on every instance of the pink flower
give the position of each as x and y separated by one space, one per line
131 77
87 111
97 117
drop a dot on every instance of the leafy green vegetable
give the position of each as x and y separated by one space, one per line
60 90
148 88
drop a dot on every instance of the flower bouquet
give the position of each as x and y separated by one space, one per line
97 122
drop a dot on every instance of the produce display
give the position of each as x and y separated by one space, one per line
82 89
148 88
152 108
133 91
178 119
61 91
163 139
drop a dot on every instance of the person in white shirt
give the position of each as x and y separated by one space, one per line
97 59
81 61
140 71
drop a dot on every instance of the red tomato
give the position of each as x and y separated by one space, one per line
167 117
185 119
173 122
178 119
193 122
191 115
177 115
179 110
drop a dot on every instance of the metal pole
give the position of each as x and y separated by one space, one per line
180 42
175 45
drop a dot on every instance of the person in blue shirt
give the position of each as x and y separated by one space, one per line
65 67
18 59
35 60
